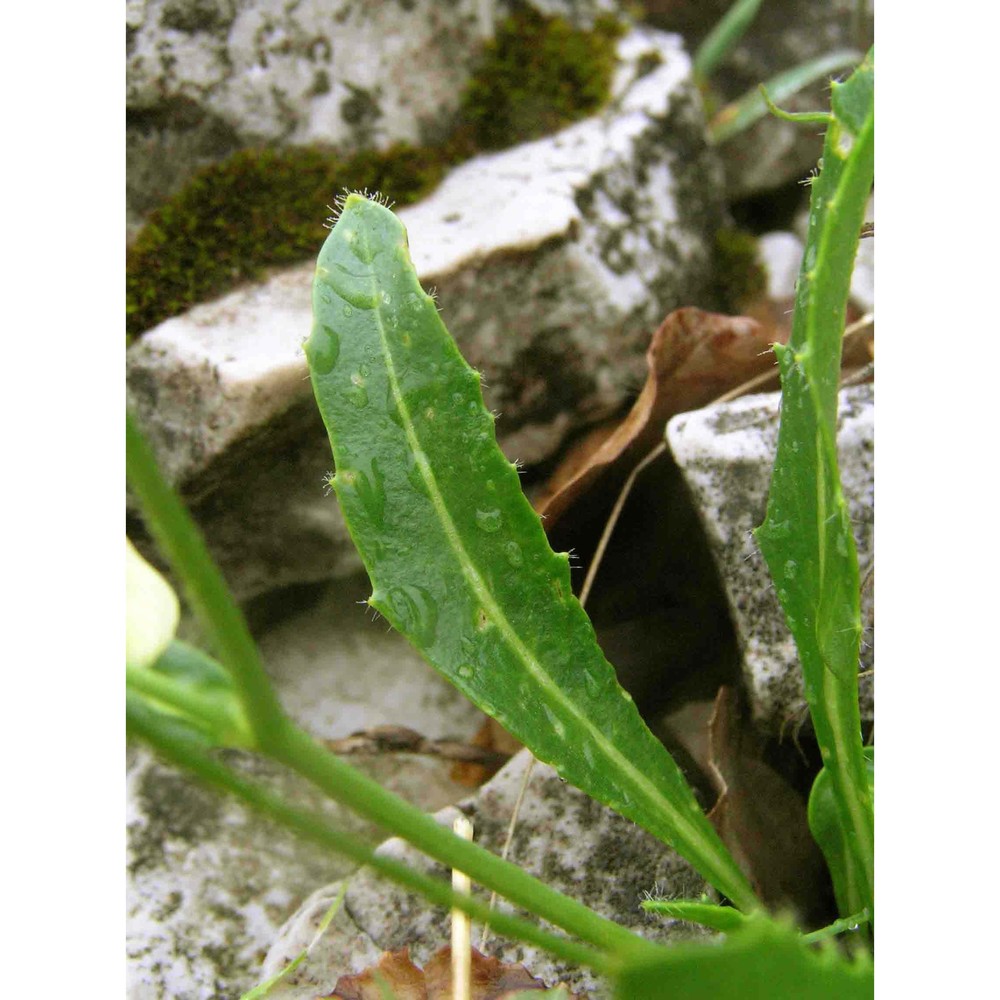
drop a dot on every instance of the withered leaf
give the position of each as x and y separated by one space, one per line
694 357
494 742
395 972
761 818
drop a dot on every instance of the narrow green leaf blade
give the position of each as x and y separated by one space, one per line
765 960
828 831
806 537
752 107
725 36
458 559
719 918
187 683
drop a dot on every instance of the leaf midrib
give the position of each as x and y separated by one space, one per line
500 621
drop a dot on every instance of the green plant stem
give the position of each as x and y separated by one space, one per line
180 541
807 538
342 782
724 37
851 923
186 752
754 105
193 705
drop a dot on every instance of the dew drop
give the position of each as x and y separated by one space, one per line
361 248
355 289
514 555
323 349
489 520
370 490
416 612
391 406
588 753
358 396
386 299
591 683
348 311
791 568
415 478
466 671
554 721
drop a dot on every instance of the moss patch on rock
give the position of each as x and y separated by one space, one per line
265 207
257 209
538 74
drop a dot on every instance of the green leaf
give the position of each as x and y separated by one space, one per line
719 918
261 990
826 828
806 537
764 961
725 36
151 610
184 746
188 683
457 557
753 105
180 541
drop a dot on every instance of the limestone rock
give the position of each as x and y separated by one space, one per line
573 843
207 77
726 454
210 882
553 261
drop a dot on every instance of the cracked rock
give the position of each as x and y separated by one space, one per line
553 261
210 882
572 843
207 77
726 453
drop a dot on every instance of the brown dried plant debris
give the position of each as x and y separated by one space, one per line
694 357
495 744
396 976
761 818
401 739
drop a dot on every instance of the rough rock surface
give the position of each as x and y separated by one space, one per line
207 77
209 882
553 262
784 34
574 844
726 453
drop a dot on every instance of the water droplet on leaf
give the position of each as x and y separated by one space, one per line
416 611
323 349
514 555
489 520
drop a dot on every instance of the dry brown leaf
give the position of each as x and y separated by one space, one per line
694 356
761 818
390 738
491 979
494 740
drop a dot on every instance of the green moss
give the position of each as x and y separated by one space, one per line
738 274
265 207
259 208
537 75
